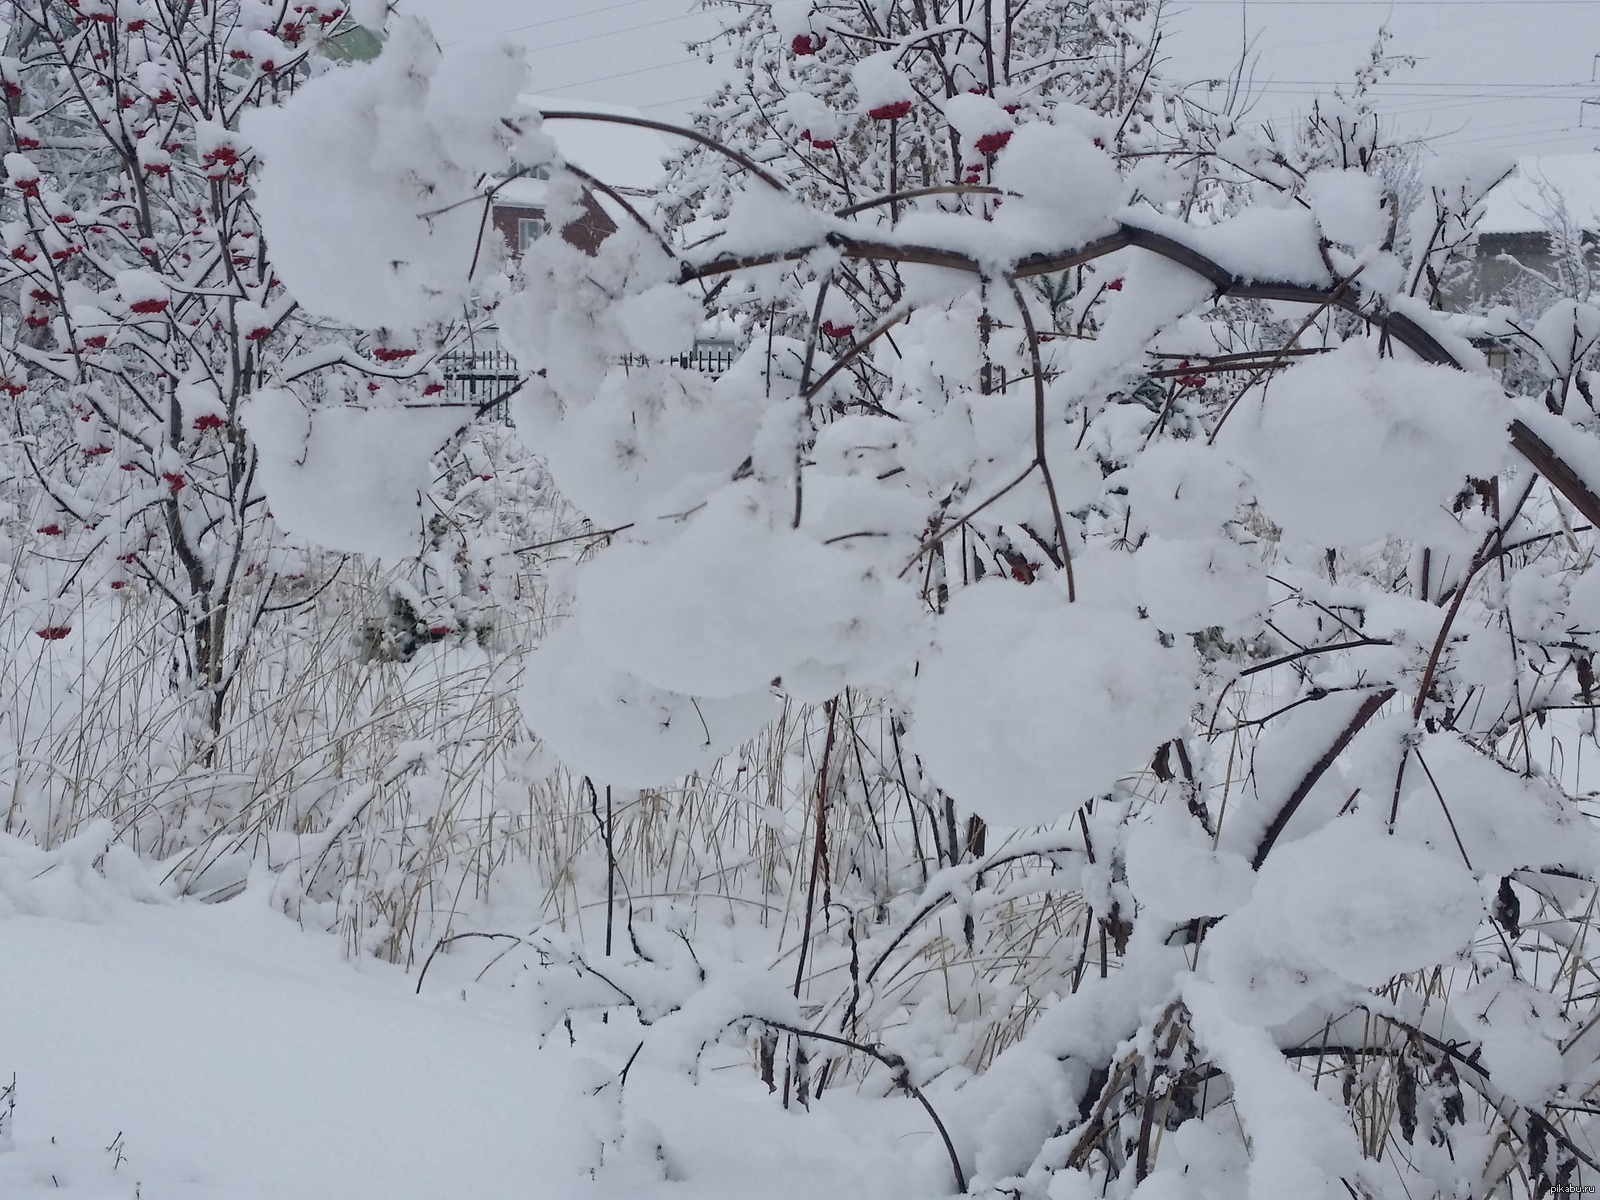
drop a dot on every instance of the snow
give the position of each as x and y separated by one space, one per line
660 321
1258 972
562 324
223 1053
810 115
21 171
1262 244
1499 821
642 447
1539 188
351 479
1183 489
1521 1031
200 400
1187 586
1348 902
735 601
1067 187
1301 1144
1029 706
763 221
142 291
1155 294
624 156
229 1054
974 116
1349 205
1567 332
375 205
470 84
1394 440
765 572
1177 874
792 17
615 727
1365 906
880 83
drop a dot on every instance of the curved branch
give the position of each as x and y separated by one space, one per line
999 858
902 1078
694 135
938 536
1398 326
1038 435
328 583
621 201
894 316
1282 659
1369 708
1561 476
944 189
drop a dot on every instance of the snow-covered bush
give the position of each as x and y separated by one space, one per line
145 316
1224 589
181 662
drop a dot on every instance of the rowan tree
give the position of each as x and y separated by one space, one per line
1232 589
142 309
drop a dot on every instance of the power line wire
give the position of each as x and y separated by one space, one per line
574 16
677 62
610 33
676 100
1586 135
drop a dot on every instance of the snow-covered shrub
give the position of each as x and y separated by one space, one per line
183 663
146 316
1219 585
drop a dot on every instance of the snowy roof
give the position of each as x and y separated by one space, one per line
623 156
1527 200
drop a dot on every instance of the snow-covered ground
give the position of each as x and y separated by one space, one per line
182 1051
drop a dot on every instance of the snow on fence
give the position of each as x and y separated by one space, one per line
478 376
713 358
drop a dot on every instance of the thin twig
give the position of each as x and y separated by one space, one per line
902 1078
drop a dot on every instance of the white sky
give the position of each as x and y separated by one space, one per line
1505 75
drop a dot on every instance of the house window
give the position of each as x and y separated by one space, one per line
530 230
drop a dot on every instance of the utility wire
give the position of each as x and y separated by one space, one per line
677 62
588 12
610 33
676 100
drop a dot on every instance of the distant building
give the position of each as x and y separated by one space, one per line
518 213
1541 222
624 157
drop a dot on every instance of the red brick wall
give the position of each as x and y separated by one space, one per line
586 233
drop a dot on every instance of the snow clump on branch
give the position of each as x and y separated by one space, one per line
379 172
